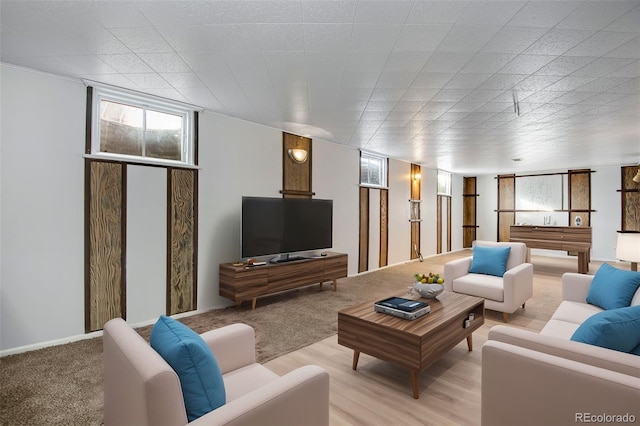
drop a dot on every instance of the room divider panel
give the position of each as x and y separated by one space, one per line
105 245
182 240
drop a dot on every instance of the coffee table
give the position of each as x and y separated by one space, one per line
415 344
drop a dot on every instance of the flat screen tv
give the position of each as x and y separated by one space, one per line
279 226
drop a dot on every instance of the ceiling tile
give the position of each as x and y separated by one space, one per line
142 39
526 64
374 37
165 62
126 64
513 39
329 11
437 12
447 62
383 12
490 12
596 15
600 43
417 38
543 14
467 38
558 41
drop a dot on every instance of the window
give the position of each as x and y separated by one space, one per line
373 170
444 183
129 126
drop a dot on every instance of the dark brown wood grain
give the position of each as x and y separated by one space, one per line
296 177
240 283
181 248
363 247
565 238
469 202
415 344
384 228
630 199
105 280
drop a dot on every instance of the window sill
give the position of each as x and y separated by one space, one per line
141 161
362 185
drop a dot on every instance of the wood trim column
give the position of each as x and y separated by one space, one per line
296 177
182 240
629 199
506 205
363 248
469 211
105 242
579 186
415 194
384 228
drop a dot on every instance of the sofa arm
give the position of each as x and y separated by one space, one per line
576 286
455 269
525 387
300 397
580 352
518 286
234 346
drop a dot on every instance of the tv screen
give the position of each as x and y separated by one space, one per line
285 225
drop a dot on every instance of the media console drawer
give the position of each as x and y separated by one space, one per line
240 283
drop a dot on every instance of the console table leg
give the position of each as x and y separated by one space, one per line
356 356
415 384
470 342
335 285
253 303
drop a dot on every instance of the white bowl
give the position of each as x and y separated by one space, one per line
428 291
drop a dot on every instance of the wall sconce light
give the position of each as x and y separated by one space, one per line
628 248
636 178
417 176
298 155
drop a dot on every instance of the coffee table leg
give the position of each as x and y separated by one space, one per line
356 356
415 383
470 342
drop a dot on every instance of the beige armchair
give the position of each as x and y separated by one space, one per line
140 388
503 294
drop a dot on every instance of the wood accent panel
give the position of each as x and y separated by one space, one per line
416 194
448 223
438 224
579 186
469 214
384 227
565 238
363 248
105 244
296 177
630 199
416 344
506 201
181 240
240 283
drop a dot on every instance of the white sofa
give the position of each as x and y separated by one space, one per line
545 378
141 389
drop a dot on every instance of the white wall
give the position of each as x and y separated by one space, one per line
399 213
42 212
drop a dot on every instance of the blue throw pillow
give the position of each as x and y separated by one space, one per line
617 329
613 288
192 360
490 260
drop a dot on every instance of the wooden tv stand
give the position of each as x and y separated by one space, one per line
240 283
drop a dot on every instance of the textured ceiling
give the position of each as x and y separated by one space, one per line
431 82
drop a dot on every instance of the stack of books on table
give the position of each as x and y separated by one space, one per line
402 308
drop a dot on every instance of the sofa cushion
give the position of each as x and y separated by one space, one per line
489 260
613 288
485 286
617 329
559 329
574 312
192 360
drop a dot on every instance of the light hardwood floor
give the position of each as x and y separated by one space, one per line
379 393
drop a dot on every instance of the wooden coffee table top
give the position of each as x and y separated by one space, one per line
447 306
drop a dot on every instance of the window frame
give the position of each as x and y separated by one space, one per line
447 192
146 102
384 170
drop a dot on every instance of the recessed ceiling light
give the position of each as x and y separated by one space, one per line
516 159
